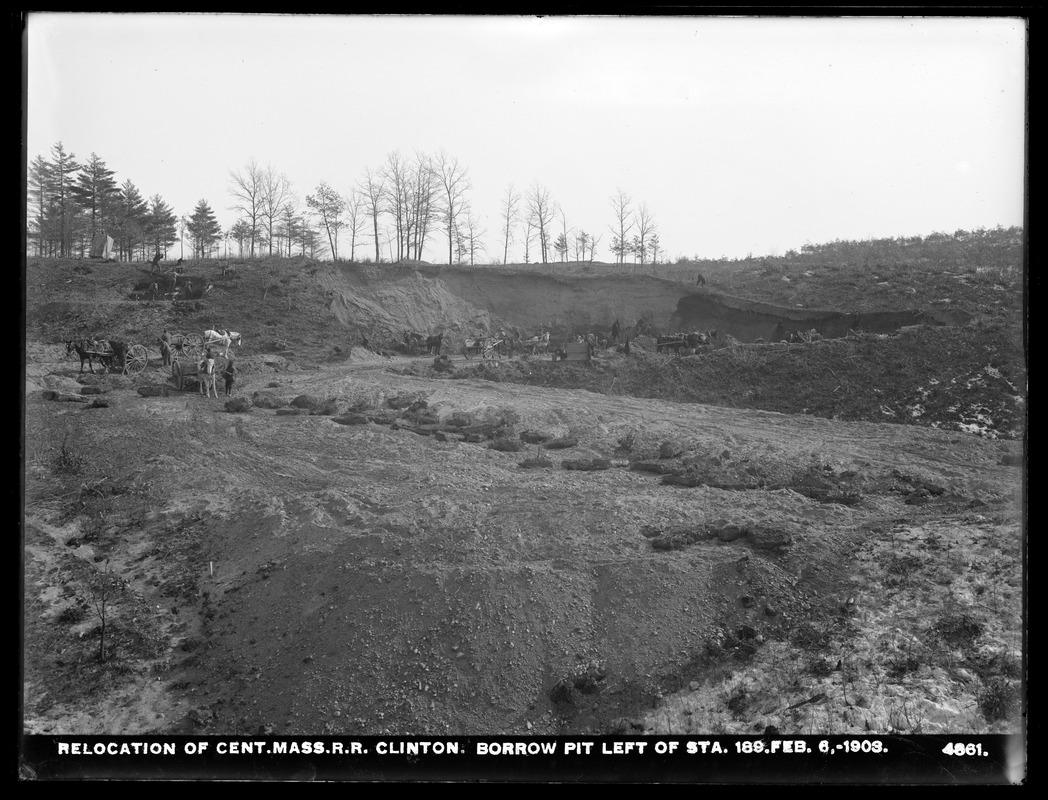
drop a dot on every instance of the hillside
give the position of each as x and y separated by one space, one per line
377 543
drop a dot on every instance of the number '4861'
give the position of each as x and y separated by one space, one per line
961 749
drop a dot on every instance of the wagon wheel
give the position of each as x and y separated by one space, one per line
135 360
193 344
179 347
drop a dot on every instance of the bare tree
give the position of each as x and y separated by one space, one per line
461 245
395 181
473 232
454 183
355 220
275 191
620 205
247 188
645 223
562 244
594 243
529 238
540 212
510 215
424 194
372 192
102 588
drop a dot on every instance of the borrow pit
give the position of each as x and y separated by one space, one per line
372 567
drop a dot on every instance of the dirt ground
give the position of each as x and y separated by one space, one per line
375 546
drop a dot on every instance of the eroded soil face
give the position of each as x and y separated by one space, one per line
372 548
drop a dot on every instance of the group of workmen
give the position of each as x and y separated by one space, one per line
205 368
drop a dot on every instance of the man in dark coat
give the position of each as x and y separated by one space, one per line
165 347
229 375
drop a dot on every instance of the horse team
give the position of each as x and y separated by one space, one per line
416 342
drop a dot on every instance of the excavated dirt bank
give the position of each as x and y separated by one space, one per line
749 321
471 302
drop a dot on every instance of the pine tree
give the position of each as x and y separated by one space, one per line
95 189
39 221
129 221
328 205
62 204
204 229
161 228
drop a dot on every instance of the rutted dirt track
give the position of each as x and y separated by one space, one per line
365 569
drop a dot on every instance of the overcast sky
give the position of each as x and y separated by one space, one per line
739 135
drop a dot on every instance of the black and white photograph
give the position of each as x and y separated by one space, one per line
523 398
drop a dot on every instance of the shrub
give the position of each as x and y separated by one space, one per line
68 461
627 441
958 629
996 699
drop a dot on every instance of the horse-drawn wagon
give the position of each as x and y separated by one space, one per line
110 354
484 346
535 345
190 346
188 350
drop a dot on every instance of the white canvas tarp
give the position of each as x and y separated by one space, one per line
102 247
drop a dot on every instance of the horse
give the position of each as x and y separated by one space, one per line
434 343
516 344
222 338
88 350
206 371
